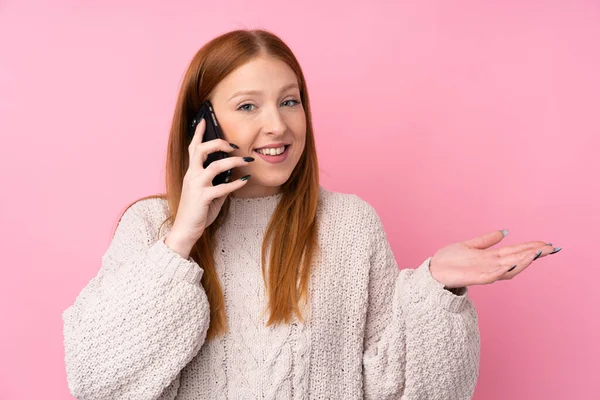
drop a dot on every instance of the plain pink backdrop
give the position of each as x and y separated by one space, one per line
453 118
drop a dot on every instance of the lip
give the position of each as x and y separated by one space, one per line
275 159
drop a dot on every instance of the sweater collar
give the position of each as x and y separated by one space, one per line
255 211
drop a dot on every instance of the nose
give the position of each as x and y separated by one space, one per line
274 123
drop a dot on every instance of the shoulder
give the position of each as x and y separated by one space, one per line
148 208
137 228
347 211
148 212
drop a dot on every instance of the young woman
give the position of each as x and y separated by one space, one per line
270 286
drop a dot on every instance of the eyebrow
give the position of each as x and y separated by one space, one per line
283 89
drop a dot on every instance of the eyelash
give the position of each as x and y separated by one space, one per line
250 104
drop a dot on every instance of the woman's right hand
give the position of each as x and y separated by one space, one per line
200 201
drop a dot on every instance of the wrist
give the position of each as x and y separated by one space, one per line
179 244
434 274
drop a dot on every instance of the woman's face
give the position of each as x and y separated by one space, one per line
258 107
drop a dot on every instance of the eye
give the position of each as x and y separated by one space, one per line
292 100
245 105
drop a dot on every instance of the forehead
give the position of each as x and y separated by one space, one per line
260 73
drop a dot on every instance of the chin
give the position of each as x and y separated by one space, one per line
273 180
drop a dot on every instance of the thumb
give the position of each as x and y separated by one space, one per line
487 240
220 200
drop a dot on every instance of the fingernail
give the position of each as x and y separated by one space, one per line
245 178
548 244
556 250
234 146
248 159
537 255
514 266
504 232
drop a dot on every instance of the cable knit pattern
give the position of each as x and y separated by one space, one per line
138 329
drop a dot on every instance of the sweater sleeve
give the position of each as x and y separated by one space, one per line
138 322
421 340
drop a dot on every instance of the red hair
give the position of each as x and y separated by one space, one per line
292 231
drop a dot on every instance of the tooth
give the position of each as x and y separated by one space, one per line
272 151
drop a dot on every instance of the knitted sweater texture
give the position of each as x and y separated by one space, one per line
137 330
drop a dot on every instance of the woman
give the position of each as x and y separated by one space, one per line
270 286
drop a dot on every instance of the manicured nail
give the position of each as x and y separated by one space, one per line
504 232
548 244
556 250
514 266
245 178
248 159
537 255
234 146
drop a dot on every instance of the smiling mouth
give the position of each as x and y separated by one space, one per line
273 156
273 151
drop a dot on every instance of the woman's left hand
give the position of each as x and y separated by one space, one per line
473 263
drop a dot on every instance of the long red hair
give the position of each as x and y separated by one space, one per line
291 235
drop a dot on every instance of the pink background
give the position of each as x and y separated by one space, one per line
452 118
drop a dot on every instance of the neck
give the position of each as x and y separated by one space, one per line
250 190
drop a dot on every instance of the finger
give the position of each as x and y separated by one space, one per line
514 259
545 250
511 260
218 202
520 265
225 164
517 248
202 150
225 189
509 266
487 240
198 133
197 139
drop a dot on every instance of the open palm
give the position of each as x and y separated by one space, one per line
473 262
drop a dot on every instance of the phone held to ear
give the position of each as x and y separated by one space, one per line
211 132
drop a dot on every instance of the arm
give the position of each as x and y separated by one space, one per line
421 340
138 322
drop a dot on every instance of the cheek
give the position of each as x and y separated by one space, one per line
302 137
236 133
298 126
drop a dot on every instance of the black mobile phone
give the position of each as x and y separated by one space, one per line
211 132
